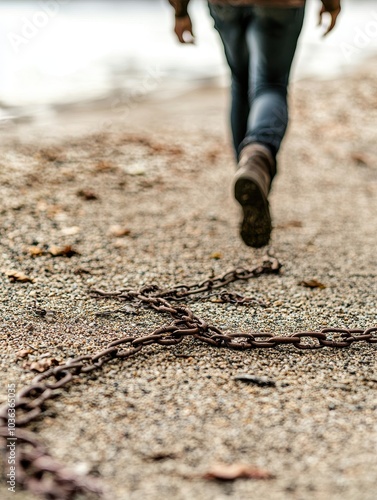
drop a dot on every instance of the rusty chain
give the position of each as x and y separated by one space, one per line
36 469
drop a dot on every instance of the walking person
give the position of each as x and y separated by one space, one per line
260 39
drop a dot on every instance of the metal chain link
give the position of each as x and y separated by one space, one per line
38 472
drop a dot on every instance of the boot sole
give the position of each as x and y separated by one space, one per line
256 225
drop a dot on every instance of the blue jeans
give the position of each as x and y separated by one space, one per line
259 43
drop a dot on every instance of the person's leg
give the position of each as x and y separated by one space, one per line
231 23
272 40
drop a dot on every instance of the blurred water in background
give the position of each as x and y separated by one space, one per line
55 52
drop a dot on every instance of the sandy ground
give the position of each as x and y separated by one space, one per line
152 425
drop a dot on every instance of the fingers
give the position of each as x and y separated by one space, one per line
333 18
183 30
179 35
320 17
185 36
331 27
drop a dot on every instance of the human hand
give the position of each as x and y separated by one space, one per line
183 26
334 13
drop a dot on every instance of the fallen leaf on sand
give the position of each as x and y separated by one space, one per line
154 146
105 166
213 154
87 194
361 159
289 224
119 231
17 276
231 472
313 283
35 251
51 155
43 364
66 251
216 255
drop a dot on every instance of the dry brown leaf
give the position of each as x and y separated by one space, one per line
105 166
312 283
166 148
213 154
231 472
361 159
290 224
14 276
52 155
119 231
216 255
157 147
35 251
43 364
66 251
87 194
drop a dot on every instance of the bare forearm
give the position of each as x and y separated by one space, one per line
180 7
331 5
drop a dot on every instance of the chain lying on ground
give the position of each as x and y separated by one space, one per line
38 472
199 291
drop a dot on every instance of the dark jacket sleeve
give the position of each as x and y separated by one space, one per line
180 7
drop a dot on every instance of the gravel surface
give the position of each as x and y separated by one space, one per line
145 197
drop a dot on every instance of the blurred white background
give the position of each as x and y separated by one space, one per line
66 51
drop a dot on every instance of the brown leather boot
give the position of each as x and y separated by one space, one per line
252 184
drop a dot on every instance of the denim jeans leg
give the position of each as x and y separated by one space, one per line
231 24
272 40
